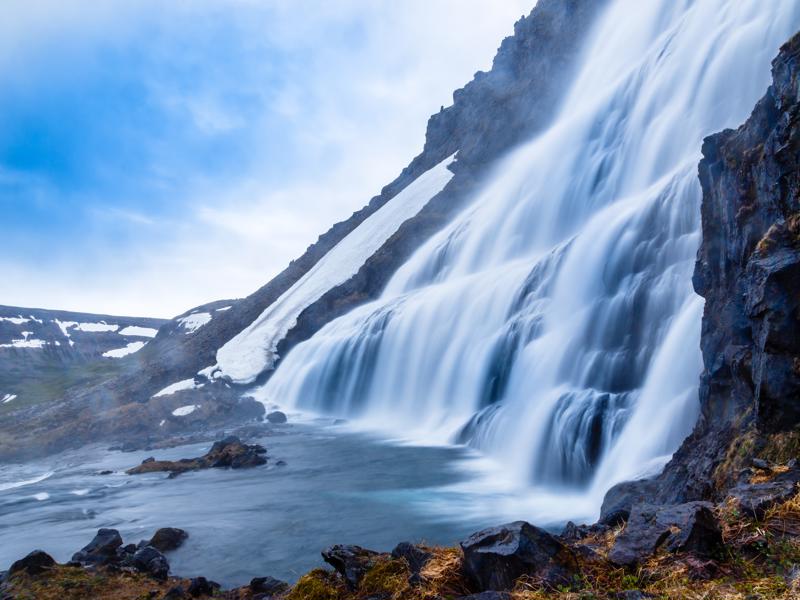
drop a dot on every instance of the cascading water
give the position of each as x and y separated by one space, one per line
553 323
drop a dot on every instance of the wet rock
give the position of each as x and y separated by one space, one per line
168 538
495 558
151 561
621 498
33 564
200 586
101 550
755 499
268 585
690 527
277 417
352 562
280 463
228 453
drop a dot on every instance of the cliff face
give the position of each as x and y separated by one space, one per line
748 270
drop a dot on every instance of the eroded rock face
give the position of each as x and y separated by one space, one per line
495 558
690 527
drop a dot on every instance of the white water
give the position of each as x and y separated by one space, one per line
553 324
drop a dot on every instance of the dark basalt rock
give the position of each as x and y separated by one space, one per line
490 595
268 585
415 557
33 564
621 498
277 417
101 550
690 527
755 499
495 558
228 453
168 538
151 561
200 586
352 562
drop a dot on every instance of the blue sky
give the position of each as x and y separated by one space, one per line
157 155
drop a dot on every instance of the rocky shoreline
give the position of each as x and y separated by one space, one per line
745 547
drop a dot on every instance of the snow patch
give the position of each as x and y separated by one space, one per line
195 321
186 384
129 349
254 349
15 320
136 331
25 343
182 411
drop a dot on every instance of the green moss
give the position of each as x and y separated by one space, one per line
316 585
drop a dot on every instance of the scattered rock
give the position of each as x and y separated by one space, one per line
228 453
33 564
277 417
352 562
760 463
631 595
168 538
494 558
490 595
415 557
755 499
268 585
101 550
175 593
690 527
151 561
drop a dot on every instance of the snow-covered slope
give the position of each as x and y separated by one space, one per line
252 351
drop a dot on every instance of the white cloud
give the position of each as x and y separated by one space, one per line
356 84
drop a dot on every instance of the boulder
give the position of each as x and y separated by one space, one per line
268 585
755 499
151 561
101 550
277 417
175 593
690 527
168 538
33 564
352 562
495 558
620 499
200 586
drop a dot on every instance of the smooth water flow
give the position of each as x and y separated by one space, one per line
553 324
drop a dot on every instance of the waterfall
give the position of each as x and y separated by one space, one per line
552 324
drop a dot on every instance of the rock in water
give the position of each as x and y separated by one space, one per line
690 527
352 562
35 563
495 558
276 417
168 538
101 550
228 453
